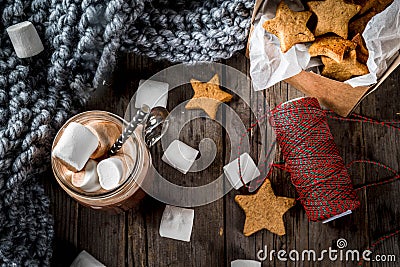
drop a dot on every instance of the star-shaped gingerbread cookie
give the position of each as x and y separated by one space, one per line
264 210
289 26
344 70
333 16
208 96
334 47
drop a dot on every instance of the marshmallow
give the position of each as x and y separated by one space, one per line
245 263
87 179
107 133
248 168
112 171
25 39
152 94
180 156
75 146
84 259
177 223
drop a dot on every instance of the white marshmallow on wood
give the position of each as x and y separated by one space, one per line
25 39
107 133
152 94
248 168
87 179
245 263
180 156
112 171
75 146
84 259
177 223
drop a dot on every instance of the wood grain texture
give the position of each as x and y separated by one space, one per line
383 145
132 239
237 245
65 212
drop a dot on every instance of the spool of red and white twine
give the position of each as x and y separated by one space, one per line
312 158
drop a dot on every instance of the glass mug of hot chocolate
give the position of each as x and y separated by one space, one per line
84 168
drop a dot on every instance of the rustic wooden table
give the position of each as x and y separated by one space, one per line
132 239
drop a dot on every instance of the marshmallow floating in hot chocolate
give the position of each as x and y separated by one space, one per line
87 179
177 223
113 170
110 172
75 146
180 156
248 169
107 133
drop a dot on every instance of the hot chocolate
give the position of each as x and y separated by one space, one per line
84 169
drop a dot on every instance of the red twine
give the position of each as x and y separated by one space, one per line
313 160
377 242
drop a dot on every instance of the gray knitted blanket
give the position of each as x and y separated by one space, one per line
82 39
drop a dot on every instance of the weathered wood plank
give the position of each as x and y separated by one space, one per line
350 227
208 219
237 245
136 247
102 235
133 69
97 227
383 145
65 214
132 239
296 235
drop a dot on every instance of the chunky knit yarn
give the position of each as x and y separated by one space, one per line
82 39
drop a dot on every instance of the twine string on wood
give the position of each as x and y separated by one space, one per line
377 242
332 115
395 177
312 158
317 170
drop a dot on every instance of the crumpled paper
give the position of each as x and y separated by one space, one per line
268 65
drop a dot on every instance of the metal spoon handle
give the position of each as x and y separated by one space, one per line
155 126
137 119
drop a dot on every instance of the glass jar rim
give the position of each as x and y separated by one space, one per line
133 171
